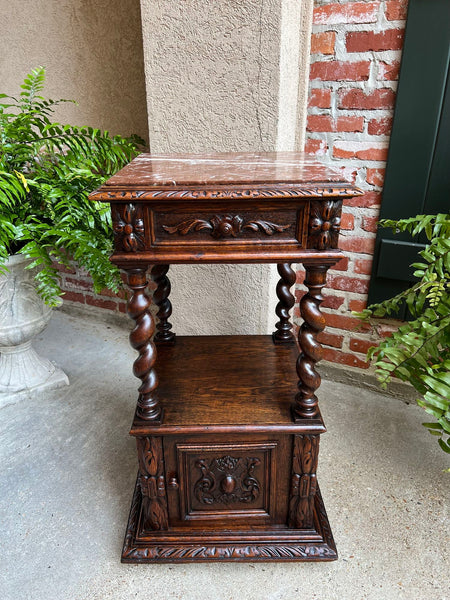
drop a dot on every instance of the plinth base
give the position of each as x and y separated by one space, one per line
271 544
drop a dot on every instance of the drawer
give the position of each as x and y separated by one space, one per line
235 225
227 482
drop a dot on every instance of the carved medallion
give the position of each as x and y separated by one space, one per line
128 227
227 479
324 224
222 226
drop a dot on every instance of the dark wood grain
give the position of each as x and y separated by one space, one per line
324 224
306 403
230 482
251 545
304 481
151 480
228 472
283 333
206 382
138 306
161 299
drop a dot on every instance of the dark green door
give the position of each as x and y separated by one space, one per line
418 168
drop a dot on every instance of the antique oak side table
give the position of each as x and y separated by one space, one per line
227 427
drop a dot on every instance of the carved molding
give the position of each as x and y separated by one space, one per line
152 484
167 551
128 227
218 194
229 552
221 226
304 481
227 479
324 224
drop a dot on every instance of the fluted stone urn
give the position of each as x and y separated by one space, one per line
23 315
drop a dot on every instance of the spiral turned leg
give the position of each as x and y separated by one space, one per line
284 333
306 405
140 338
161 299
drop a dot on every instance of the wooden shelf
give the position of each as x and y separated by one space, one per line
226 383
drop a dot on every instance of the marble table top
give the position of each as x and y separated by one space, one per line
233 168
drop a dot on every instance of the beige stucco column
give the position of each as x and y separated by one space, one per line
92 52
225 76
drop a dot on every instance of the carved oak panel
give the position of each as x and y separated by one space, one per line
225 481
234 226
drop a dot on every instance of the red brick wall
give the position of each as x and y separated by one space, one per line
355 58
77 286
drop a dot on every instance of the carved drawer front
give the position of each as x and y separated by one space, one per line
225 482
233 225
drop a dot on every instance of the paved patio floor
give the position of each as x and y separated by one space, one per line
69 466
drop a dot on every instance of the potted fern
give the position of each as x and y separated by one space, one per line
419 351
46 173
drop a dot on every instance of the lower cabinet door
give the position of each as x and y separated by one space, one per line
227 481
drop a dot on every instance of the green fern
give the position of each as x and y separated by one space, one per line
419 351
46 173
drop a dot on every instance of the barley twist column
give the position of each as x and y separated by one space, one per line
286 302
140 339
306 405
161 299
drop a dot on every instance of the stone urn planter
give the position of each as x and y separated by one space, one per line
23 315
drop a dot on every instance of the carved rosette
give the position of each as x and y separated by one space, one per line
306 404
152 484
286 302
223 226
304 481
324 224
128 228
227 479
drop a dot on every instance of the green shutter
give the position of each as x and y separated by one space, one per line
418 168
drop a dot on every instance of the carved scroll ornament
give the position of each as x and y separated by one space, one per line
221 226
227 479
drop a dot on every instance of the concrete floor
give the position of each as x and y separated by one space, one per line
69 466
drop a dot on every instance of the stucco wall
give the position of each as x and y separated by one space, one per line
218 76
92 52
